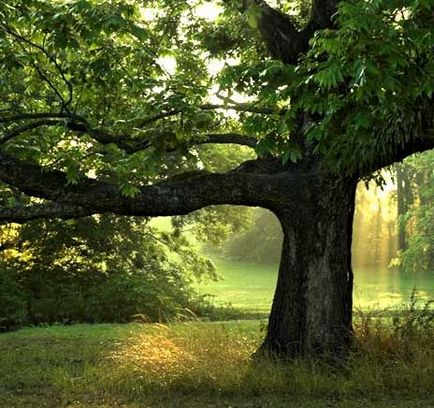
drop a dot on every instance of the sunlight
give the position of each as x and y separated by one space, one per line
208 11
168 64
155 355
171 352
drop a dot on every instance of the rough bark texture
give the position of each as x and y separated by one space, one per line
312 306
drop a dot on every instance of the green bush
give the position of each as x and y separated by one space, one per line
12 301
97 269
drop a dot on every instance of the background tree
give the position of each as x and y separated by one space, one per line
418 256
97 269
404 201
106 108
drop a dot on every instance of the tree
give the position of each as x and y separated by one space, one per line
404 200
418 255
106 107
96 269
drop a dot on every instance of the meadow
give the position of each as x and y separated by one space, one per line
249 287
202 364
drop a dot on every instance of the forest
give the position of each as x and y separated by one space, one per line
217 203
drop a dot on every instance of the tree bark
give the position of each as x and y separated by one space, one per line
312 307
404 201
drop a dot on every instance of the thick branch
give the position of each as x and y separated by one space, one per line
322 15
21 214
404 150
179 195
283 39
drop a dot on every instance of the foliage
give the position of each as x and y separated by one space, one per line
106 67
382 57
419 219
97 269
121 93
361 85
261 243
148 73
117 75
207 365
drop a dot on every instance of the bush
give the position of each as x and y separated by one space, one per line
98 269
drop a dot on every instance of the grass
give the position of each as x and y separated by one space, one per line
207 365
249 287
243 285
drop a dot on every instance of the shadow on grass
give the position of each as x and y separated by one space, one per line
207 364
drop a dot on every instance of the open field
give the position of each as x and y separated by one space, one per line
208 365
250 287
203 365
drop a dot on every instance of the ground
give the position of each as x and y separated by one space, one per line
200 364
250 287
193 364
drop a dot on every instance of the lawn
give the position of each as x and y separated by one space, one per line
207 364
250 287
242 285
202 365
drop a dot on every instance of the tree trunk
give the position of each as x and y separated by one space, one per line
404 201
312 307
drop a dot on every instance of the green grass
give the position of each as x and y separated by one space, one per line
243 285
250 287
206 365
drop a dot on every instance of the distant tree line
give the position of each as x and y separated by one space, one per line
396 228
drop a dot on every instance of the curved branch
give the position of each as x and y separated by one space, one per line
30 126
176 196
8 118
229 138
416 145
127 143
239 107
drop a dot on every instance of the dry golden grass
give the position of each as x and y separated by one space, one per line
208 365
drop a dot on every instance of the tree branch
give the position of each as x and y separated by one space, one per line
8 118
415 145
50 58
176 196
229 138
322 15
239 107
127 143
283 39
30 126
22 214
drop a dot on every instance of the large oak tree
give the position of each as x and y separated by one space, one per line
117 106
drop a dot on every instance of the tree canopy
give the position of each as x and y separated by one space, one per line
128 94
114 106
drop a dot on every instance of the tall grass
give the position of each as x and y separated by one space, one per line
154 365
386 360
